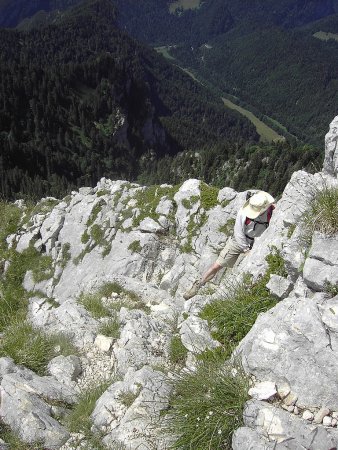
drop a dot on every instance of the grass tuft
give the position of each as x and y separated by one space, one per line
207 405
111 328
322 214
32 348
177 352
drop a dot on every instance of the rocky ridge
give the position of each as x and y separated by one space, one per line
148 245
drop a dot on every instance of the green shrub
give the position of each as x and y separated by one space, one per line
97 234
127 398
322 214
228 227
207 405
65 254
85 237
177 352
31 347
95 212
209 196
135 247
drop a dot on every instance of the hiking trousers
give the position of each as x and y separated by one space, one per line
230 254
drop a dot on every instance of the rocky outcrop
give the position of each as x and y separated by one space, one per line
148 245
331 152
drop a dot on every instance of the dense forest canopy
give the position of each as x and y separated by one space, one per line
79 100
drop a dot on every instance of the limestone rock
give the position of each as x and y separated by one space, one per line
65 368
25 407
321 267
284 431
320 415
129 409
331 153
307 415
195 335
289 343
279 286
104 343
149 225
263 391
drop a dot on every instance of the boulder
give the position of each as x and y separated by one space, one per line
279 286
290 343
321 266
65 368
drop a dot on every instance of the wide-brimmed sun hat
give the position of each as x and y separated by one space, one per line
257 204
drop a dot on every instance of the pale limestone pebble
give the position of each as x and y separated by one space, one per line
321 414
290 399
296 411
307 415
327 421
103 343
335 414
283 390
263 391
334 422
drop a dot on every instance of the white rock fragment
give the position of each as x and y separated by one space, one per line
307 415
279 286
321 414
291 399
103 343
283 390
327 421
263 391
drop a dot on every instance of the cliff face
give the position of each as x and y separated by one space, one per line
137 249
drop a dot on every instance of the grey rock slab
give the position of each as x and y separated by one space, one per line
70 318
279 286
195 335
321 267
143 340
290 344
330 165
133 423
246 438
51 227
149 225
24 406
65 368
263 391
287 431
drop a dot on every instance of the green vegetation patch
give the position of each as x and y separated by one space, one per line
207 405
95 212
148 200
127 398
111 328
135 247
14 442
94 305
78 421
233 316
177 352
228 227
32 348
322 214
209 196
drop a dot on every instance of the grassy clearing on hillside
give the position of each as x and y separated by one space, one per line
184 4
323 36
266 133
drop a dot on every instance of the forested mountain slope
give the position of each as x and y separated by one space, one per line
262 52
79 100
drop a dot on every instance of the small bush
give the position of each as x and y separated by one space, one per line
97 234
207 405
209 196
323 212
177 352
85 237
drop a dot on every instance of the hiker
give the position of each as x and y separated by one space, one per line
252 219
